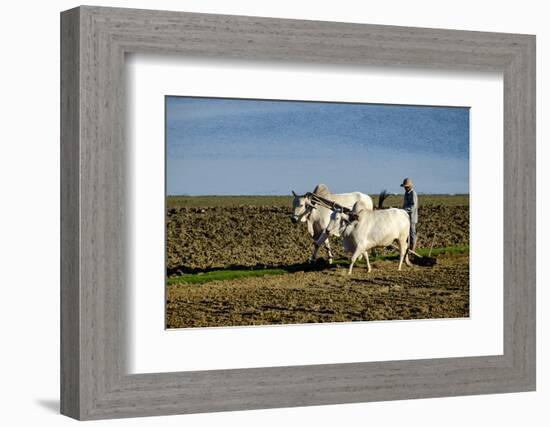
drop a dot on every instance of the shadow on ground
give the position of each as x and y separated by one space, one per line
51 405
320 264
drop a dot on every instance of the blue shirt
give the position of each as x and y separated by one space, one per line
410 204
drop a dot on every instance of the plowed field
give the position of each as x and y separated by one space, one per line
254 233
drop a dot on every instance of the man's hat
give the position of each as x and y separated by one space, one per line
407 182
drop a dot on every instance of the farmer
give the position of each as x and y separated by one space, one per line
410 204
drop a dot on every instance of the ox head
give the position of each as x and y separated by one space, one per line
301 207
338 222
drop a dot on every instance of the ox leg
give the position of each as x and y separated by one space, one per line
403 248
327 244
354 258
406 246
366 255
318 243
313 257
405 243
407 260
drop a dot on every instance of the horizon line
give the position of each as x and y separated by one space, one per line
289 195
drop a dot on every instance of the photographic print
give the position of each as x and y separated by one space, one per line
295 212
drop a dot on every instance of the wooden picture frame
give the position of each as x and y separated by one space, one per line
94 382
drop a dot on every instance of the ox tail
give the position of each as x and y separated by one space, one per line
383 196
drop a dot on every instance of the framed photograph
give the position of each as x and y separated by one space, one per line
230 217
345 211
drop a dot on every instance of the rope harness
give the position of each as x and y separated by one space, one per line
329 204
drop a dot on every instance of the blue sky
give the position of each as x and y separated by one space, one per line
233 146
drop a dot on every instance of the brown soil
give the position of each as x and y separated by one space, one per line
330 295
220 237
211 232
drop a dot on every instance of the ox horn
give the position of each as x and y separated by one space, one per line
294 194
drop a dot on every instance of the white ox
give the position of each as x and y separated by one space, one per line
317 217
363 229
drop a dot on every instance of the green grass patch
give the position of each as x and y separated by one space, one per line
209 276
449 250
